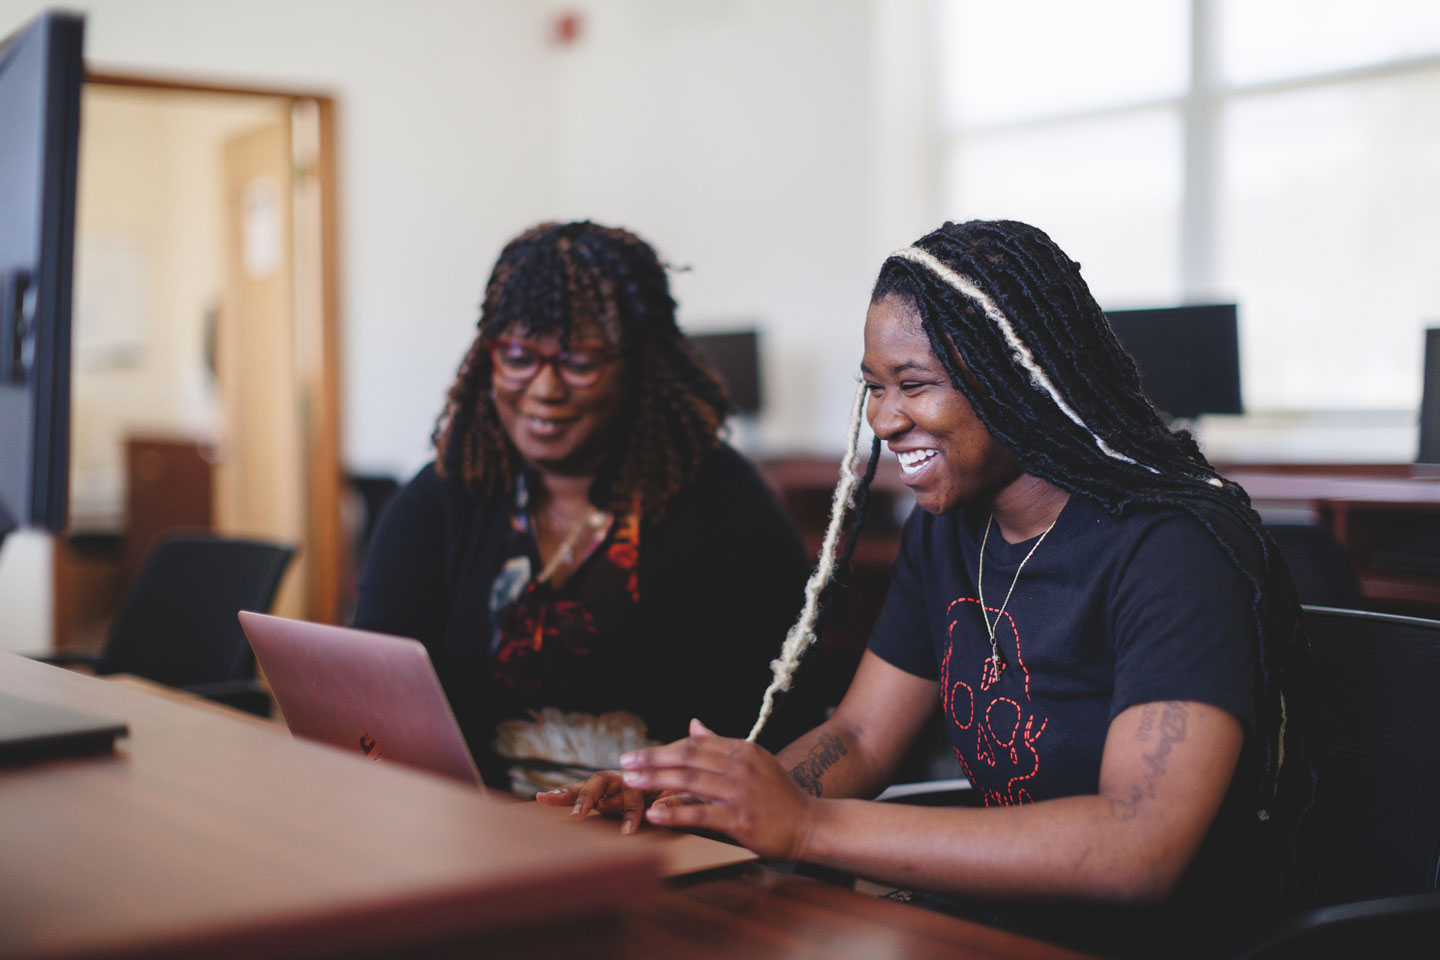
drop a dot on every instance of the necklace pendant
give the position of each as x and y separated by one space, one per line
991 674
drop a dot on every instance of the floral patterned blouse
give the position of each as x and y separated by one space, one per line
564 646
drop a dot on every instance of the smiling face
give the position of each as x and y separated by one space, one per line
557 427
947 457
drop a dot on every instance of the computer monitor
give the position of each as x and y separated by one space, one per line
41 72
736 357
1430 402
1189 357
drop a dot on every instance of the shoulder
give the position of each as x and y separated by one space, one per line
724 464
427 489
1194 526
1196 559
730 510
429 496
1167 554
725 479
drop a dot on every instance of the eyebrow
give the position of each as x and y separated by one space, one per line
898 368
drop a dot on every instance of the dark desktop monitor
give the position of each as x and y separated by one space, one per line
1429 453
1189 357
736 358
41 72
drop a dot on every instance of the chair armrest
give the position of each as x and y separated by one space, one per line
1349 930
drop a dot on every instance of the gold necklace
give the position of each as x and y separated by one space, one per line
995 658
565 554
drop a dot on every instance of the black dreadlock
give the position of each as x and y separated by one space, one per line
547 279
1111 445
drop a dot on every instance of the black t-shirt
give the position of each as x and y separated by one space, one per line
1108 612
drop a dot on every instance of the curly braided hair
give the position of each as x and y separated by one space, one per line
1051 383
546 280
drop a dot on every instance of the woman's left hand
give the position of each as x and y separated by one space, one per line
745 793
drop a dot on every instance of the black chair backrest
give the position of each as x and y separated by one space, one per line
1376 740
1318 564
374 492
177 624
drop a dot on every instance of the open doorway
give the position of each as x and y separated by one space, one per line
205 387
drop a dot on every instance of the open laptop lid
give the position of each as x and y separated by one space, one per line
375 694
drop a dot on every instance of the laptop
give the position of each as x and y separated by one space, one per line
31 730
368 692
378 695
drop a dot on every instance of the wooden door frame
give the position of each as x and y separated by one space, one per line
325 540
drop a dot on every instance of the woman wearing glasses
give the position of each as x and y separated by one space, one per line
585 560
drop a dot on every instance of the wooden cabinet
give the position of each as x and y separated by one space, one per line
1385 517
168 487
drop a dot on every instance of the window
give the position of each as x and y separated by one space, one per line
1280 153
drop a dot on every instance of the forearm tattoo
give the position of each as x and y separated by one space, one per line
808 772
1172 730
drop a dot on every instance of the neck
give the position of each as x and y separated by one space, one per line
564 488
1027 507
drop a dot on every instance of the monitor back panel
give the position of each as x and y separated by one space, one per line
1429 453
1189 357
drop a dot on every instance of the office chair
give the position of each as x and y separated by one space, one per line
1406 927
177 623
1374 838
1318 564
1376 742
373 493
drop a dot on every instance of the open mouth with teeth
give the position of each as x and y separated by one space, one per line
547 426
914 461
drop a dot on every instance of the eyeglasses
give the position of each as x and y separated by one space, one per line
517 362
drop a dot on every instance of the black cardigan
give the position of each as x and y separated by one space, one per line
721 580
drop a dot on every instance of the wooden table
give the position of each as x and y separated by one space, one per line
1388 526
210 833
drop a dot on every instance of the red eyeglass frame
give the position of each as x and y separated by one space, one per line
551 358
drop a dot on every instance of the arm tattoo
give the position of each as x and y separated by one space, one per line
808 772
1172 731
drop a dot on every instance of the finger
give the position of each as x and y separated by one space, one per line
698 729
708 816
705 752
705 784
560 796
676 799
591 794
633 810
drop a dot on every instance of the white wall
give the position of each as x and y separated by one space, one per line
734 136
737 135
442 143
777 147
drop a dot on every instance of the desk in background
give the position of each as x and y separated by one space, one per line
1386 519
212 833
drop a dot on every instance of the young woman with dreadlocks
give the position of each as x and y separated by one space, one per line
585 560
1107 630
